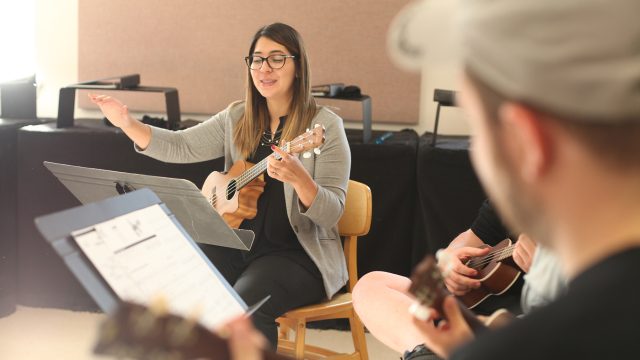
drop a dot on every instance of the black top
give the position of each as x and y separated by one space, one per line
273 231
488 226
490 229
598 318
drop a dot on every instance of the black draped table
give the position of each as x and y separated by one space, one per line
8 205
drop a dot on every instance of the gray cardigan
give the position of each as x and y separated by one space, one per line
316 228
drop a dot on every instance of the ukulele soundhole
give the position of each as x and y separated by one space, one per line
231 189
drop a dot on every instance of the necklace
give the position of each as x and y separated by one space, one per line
269 138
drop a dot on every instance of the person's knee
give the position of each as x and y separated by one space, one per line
366 286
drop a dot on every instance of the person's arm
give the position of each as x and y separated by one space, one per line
118 114
202 142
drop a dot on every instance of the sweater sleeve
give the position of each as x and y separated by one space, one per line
331 173
202 142
488 226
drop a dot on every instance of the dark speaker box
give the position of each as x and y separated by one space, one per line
18 99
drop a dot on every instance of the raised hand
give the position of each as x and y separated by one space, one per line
118 115
114 110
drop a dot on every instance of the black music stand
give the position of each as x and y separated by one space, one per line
443 98
183 197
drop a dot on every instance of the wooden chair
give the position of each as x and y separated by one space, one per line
355 222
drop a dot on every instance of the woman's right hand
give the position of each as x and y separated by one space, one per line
114 110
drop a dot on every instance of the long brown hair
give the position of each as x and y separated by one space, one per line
303 108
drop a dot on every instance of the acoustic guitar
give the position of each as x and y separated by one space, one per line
496 272
137 332
427 286
234 194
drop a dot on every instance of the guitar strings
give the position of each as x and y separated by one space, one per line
496 254
252 172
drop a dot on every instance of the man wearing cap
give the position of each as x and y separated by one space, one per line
552 93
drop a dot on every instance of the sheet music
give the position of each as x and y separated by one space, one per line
143 255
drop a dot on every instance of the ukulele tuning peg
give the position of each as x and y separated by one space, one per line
306 154
307 129
419 311
317 151
316 126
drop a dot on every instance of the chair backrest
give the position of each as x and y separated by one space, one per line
355 221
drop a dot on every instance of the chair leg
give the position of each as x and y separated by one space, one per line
301 327
357 333
283 331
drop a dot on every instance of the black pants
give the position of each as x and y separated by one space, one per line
290 284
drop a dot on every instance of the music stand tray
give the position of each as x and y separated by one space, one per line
183 197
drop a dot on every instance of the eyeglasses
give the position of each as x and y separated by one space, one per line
275 61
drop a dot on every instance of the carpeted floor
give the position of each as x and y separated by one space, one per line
36 334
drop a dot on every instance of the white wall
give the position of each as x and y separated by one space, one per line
57 61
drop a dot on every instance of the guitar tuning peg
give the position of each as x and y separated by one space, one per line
317 151
306 154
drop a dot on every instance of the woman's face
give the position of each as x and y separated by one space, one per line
273 84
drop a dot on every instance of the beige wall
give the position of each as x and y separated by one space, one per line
57 41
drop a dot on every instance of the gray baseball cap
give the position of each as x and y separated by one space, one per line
574 58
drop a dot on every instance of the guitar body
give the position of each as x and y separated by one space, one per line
496 277
233 205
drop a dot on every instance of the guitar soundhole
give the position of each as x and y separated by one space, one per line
231 189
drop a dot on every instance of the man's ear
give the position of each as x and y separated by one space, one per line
528 136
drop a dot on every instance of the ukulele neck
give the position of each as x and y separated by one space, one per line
257 169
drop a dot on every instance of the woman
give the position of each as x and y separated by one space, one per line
297 255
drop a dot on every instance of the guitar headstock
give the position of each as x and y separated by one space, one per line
138 332
311 139
427 285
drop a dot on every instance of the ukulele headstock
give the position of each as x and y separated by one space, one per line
138 332
427 285
311 139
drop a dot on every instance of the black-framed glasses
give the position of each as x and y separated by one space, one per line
275 61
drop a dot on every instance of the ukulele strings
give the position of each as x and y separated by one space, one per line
496 254
253 172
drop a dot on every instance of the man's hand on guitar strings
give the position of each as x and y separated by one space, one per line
449 334
457 276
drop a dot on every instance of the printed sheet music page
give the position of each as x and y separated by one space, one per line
144 256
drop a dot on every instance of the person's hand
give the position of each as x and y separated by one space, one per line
288 169
113 109
449 334
523 252
245 342
458 277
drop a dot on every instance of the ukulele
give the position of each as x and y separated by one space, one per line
137 332
234 194
496 272
427 286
